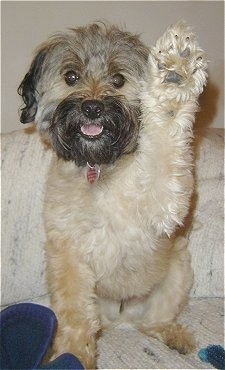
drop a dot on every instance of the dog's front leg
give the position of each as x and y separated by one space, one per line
72 284
175 78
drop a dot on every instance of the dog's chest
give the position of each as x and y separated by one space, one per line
108 224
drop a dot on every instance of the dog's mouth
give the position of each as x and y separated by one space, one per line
91 131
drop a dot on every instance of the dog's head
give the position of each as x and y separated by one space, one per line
82 91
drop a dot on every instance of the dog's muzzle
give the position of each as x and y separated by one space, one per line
93 110
94 131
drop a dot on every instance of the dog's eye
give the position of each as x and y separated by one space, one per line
118 81
71 78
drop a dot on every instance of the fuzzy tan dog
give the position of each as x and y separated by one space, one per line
118 117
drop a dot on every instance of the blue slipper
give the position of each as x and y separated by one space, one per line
27 331
213 354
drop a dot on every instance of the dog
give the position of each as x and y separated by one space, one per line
119 117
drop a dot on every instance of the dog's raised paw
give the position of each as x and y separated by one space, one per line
178 63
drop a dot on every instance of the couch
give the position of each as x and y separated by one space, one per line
25 162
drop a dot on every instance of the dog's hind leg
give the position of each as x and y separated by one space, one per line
167 300
73 300
176 77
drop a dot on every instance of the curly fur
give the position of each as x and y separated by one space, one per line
112 252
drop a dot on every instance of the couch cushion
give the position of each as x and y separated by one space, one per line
206 241
122 348
25 162
24 165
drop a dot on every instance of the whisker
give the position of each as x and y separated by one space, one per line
62 142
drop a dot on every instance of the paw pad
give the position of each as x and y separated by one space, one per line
174 77
179 61
185 53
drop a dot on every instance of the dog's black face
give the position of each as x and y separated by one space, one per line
82 90
93 131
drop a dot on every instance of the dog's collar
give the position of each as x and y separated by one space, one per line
92 173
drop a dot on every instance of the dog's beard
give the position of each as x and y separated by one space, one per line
117 131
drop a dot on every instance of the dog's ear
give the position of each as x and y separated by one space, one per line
27 88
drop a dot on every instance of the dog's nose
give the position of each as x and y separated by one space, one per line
92 108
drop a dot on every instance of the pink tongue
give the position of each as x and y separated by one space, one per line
91 130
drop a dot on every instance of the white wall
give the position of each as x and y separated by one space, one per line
26 23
